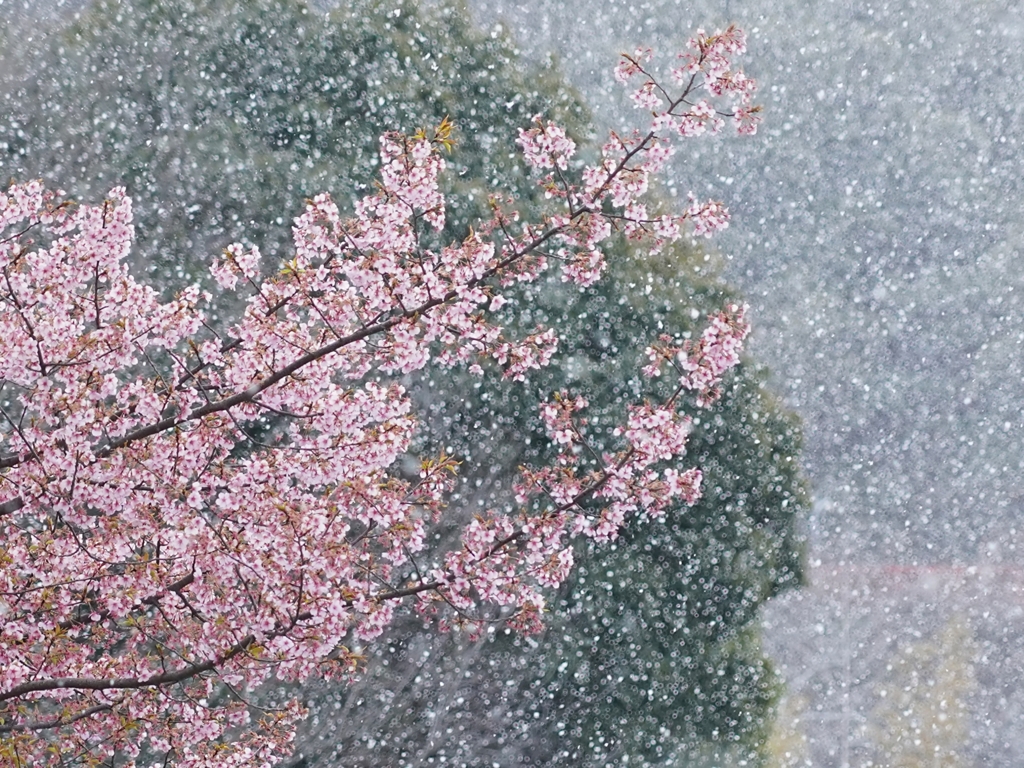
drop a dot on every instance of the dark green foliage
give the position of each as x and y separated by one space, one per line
651 651
655 637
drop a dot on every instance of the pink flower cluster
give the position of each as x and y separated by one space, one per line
186 513
594 496
709 90
701 364
712 56
546 145
707 64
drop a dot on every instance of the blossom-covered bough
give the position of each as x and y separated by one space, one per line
164 551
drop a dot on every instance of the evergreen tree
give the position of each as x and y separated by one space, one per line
651 652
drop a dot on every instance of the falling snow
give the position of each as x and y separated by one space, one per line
875 232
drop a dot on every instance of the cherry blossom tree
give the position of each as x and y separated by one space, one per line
188 512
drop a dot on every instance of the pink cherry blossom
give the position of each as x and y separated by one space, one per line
546 145
188 512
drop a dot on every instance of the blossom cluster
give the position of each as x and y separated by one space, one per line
186 513
701 363
610 196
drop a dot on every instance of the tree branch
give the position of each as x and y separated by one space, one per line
57 722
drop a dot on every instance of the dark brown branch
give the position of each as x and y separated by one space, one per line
129 683
152 600
57 722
